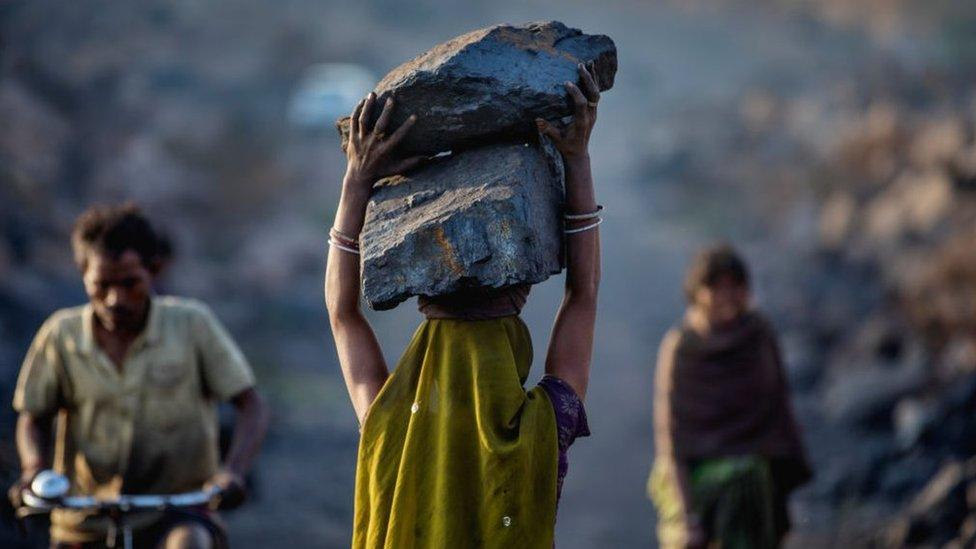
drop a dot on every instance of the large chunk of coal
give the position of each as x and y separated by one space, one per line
487 217
490 84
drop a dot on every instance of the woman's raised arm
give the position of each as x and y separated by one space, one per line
571 343
370 156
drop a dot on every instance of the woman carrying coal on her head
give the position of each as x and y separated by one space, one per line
454 451
728 450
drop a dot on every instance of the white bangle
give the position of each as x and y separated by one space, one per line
335 244
583 216
586 228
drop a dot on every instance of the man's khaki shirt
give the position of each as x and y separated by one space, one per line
147 428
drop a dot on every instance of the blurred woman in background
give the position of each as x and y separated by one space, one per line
728 450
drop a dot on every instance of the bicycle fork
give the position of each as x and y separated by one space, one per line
117 523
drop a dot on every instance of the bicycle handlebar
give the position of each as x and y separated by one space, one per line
49 490
122 502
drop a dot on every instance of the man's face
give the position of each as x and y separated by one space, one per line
118 288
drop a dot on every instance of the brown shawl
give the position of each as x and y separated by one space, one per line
724 393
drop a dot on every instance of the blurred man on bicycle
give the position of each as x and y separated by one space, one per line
134 380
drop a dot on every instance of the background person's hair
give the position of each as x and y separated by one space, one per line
114 229
711 264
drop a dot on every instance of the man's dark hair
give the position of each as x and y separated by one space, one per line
713 263
113 230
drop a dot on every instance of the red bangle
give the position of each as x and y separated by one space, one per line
343 239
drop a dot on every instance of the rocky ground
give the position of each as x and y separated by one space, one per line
834 144
877 300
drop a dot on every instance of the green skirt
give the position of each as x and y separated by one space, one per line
734 497
454 451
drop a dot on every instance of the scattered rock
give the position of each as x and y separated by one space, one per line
491 83
33 140
942 302
852 468
903 473
487 217
963 169
882 365
837 219
938 141
915 204
937 512
869 395
958 358
912 416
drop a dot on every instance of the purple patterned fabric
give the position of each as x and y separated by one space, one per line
570 421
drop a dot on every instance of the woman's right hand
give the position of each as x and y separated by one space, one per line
371 153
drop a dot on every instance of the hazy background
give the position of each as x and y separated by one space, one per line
831 140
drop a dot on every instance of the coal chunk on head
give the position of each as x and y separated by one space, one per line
488 218
490 85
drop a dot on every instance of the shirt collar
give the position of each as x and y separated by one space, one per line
87 343
154 330
150 335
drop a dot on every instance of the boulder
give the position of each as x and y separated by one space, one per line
490 84
487 217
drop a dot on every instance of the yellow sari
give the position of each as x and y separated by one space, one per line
454 451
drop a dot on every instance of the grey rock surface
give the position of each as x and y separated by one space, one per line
490 84
487 217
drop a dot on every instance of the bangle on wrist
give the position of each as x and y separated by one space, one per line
584 228
344 248
340 236
583 216
342 241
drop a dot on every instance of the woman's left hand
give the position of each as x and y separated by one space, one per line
573 140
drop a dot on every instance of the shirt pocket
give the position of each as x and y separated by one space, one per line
169 368
164 413
167 375
169 387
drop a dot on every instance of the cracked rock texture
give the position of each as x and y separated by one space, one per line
487 217
490 84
